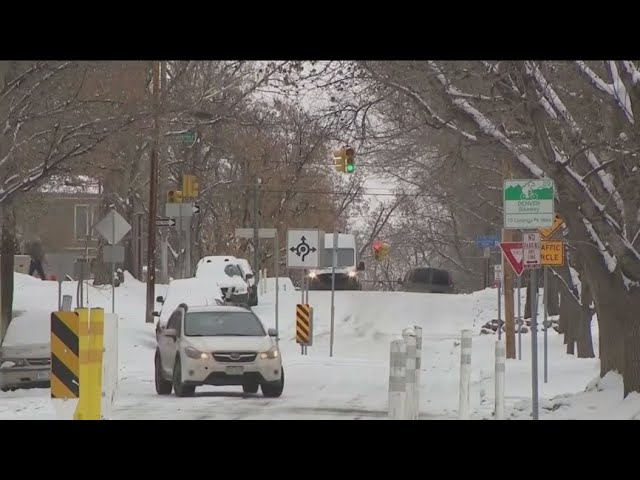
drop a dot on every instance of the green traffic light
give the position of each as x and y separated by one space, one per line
349 168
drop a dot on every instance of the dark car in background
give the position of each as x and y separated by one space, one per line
427 280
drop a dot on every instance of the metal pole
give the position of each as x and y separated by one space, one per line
59 294
153 196
302 287
164 257
112 263
534 342
180 256
545 299
499 309
187 253
256 236
277 274
334 262
519 321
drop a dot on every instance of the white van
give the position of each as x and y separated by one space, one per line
348 271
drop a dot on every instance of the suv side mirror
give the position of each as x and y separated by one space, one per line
361 267
272 332
170 332
249 276
156 314
160 299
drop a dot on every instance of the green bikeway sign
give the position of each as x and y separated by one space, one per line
528 204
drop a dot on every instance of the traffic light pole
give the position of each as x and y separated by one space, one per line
334 262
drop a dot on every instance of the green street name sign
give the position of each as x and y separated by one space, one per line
528 204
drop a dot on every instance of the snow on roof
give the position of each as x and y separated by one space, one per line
79 184
192 291
32 327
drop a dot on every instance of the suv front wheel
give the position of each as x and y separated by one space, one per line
180 388
163 387
274 389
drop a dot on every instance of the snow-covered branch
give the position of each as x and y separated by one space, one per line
610 260
617 90
607 179
632 70
485 124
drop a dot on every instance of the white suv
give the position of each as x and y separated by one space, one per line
217 345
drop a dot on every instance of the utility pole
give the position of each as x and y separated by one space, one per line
509 322
164 234
256 226
153 196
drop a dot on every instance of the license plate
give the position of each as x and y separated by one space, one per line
234 370
42 376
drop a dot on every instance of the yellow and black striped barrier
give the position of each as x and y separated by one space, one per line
77 346
65 355
304 324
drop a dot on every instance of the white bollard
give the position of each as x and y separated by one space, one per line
67 301
499 380
418 331
465 374
397 386
409 337
110 367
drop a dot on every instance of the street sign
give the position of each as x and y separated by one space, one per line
487 241
165 222
548 232
531 250
497 272
188 137
528 204
113 227
304 248
552 253
513 253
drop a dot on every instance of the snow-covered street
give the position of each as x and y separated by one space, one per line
353 384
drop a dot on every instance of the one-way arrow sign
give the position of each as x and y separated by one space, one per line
513 253
165 222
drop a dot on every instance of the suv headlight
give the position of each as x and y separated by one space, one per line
270 354
195 354
7 363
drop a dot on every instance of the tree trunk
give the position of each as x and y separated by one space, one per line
572 311
585 343
553 291
632 348
7 252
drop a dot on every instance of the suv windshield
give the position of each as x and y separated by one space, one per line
214 324
233 270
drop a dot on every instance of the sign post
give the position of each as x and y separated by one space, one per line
529 205
304 252
497 277
552 255
113 227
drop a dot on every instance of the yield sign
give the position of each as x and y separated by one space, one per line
513 253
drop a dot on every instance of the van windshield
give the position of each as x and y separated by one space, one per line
346 257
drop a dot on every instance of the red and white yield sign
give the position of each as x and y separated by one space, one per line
512 251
